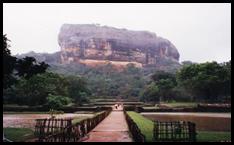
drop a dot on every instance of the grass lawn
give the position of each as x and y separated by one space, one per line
146 126
212 136
151 107
18 134
173 105
78 119
181 104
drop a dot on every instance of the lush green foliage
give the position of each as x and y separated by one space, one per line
106 82
206 81
50 89
15 73
36 89
28 66
161 87
8 64
13 67
201 82
150 93
77 89
57 102
26 82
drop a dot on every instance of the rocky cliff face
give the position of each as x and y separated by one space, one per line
94 44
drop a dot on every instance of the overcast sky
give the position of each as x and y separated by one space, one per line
200 32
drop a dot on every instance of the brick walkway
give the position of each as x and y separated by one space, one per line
113 128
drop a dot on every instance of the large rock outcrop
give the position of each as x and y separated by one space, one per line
93 44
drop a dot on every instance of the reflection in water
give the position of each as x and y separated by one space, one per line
28 120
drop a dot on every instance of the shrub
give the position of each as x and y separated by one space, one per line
57 102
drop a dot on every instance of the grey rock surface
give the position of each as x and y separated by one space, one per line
90 41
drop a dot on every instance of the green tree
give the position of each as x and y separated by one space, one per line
131 69
32 91
165 82
226 87
35 90
206 81
165 87
77 89
57 83
8 64
160 75
57 102
28 66
187 62
14 68
150 93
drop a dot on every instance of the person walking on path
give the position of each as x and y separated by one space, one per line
116 107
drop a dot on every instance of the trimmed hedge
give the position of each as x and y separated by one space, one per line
24 109
69 109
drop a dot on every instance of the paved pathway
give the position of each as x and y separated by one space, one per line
113 128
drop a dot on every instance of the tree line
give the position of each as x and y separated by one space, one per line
28 82
209 82
203 82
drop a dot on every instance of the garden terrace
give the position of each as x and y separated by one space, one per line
146 127
71 132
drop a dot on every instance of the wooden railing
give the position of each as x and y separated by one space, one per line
66 132
135 131
174 131
49 126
